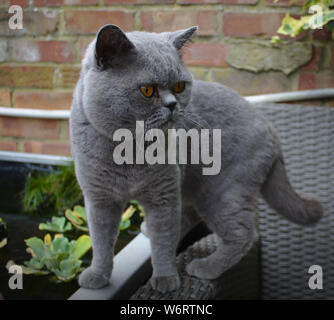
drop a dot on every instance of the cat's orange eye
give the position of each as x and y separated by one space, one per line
147 91
179 87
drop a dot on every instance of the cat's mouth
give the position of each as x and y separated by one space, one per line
164 123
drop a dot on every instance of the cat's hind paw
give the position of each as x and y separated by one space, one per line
91 280
201 268
166 284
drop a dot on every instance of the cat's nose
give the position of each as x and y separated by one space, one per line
171 105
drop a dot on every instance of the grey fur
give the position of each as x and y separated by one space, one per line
107 97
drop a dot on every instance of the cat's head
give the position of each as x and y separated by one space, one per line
137 76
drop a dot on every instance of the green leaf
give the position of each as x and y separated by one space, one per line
80 211
3 242
291 26
35 264
70 265
64 276
37 246
72 217
27 270
124 225
128 213
81 246
57 224
51 263
60 244
275 39
2 222
328 16
77 217
139 207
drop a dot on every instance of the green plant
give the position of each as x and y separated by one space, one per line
60 256
56 191
57 224
3 233
78 218
293 26
133 207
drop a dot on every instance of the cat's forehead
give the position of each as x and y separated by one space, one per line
152 43
147 37
158 57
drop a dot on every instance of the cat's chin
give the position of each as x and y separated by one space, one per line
167 125
164 125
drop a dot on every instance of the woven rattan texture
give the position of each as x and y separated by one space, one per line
288 250
241 282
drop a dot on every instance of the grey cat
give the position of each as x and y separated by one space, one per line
140 76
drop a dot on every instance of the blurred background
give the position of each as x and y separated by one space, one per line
40 64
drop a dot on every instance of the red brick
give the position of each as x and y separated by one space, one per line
217 1
322 35
48 3
205 54
207 22
76 2
56 51
284 3
4 3
325 80
83 44
316 80
43 100
29 128
55 148
250 24
26 76
4 54
44 51
66 129
69 76
239 1
161 21
34 23
8 145
24 50
4 98
123 2
313 64
21 3
307 81
90 21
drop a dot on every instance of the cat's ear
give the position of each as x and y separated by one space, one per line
112 46
181 37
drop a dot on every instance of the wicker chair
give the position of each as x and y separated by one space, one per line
277 265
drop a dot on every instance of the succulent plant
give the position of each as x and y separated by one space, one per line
78 217
3 233
58 256
57 224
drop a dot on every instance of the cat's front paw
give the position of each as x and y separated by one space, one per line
201 268
166 284
91 280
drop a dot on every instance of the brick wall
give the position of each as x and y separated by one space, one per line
39 65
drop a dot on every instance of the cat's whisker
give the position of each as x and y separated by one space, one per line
193 122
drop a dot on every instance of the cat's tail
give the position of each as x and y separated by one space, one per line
279 194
